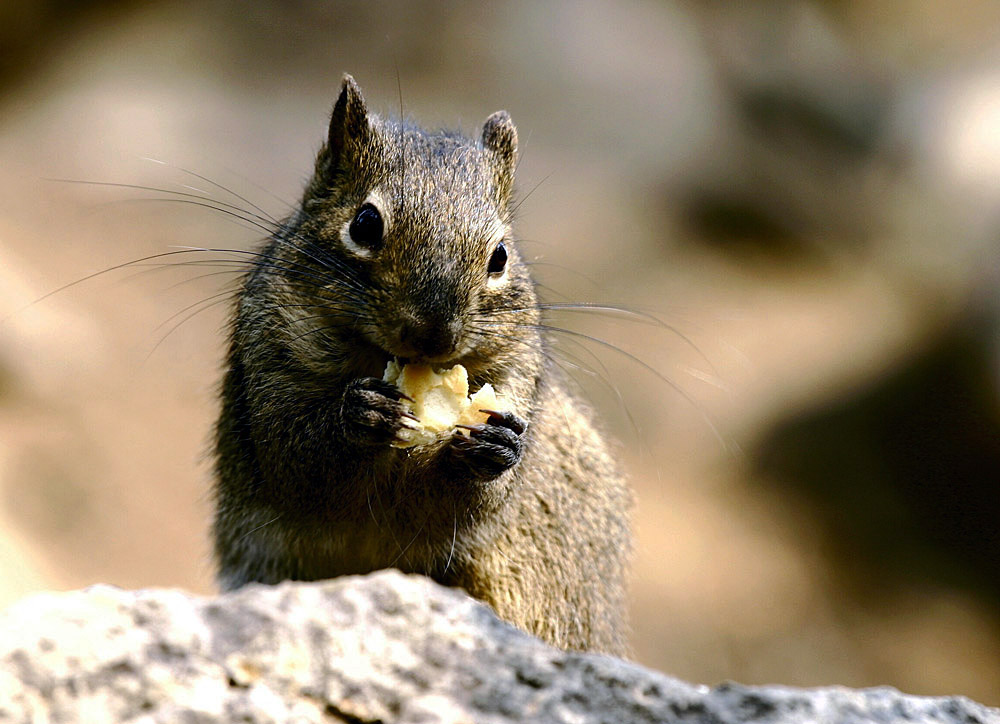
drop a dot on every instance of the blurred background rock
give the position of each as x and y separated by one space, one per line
806 193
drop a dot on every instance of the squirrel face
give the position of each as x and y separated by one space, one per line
402 247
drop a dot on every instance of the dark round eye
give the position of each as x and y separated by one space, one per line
366 228
499 260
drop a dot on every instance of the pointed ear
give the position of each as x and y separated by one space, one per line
349 127
500 139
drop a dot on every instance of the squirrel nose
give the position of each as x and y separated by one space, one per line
428 337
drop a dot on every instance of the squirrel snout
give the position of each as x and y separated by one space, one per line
425 337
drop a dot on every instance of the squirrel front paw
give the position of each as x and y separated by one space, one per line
490 448
371 412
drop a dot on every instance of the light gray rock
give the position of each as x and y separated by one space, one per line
381 648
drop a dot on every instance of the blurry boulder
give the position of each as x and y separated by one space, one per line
903 475
804 161
381 648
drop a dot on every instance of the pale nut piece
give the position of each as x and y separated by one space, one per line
441 401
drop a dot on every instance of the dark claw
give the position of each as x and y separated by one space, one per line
490 448
371 413
410 415
388 389
506 419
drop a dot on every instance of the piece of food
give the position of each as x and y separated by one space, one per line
440 400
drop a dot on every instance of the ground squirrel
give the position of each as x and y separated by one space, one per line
402 249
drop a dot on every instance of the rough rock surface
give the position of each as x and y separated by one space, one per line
381 648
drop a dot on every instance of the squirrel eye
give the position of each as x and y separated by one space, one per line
366 227
499 260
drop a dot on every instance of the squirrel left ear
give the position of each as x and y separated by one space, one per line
500 138
348 124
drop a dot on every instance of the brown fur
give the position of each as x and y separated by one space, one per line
308 486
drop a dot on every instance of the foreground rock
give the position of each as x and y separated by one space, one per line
382 648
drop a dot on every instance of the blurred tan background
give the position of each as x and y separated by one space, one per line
806 193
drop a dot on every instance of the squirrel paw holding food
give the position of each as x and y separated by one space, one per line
491 447
371 412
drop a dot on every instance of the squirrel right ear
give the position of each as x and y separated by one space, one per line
500 138
349 127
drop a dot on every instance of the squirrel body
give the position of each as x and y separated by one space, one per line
402 249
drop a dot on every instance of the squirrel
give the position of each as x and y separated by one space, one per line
402 249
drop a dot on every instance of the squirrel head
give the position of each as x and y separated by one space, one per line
403 246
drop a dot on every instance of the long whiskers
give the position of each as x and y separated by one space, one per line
616 311
564 359
490 319
216 184
280 233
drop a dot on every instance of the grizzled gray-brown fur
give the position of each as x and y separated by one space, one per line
402 248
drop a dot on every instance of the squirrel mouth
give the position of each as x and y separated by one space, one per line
375 356
456 355
408 355
436 364
374 360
